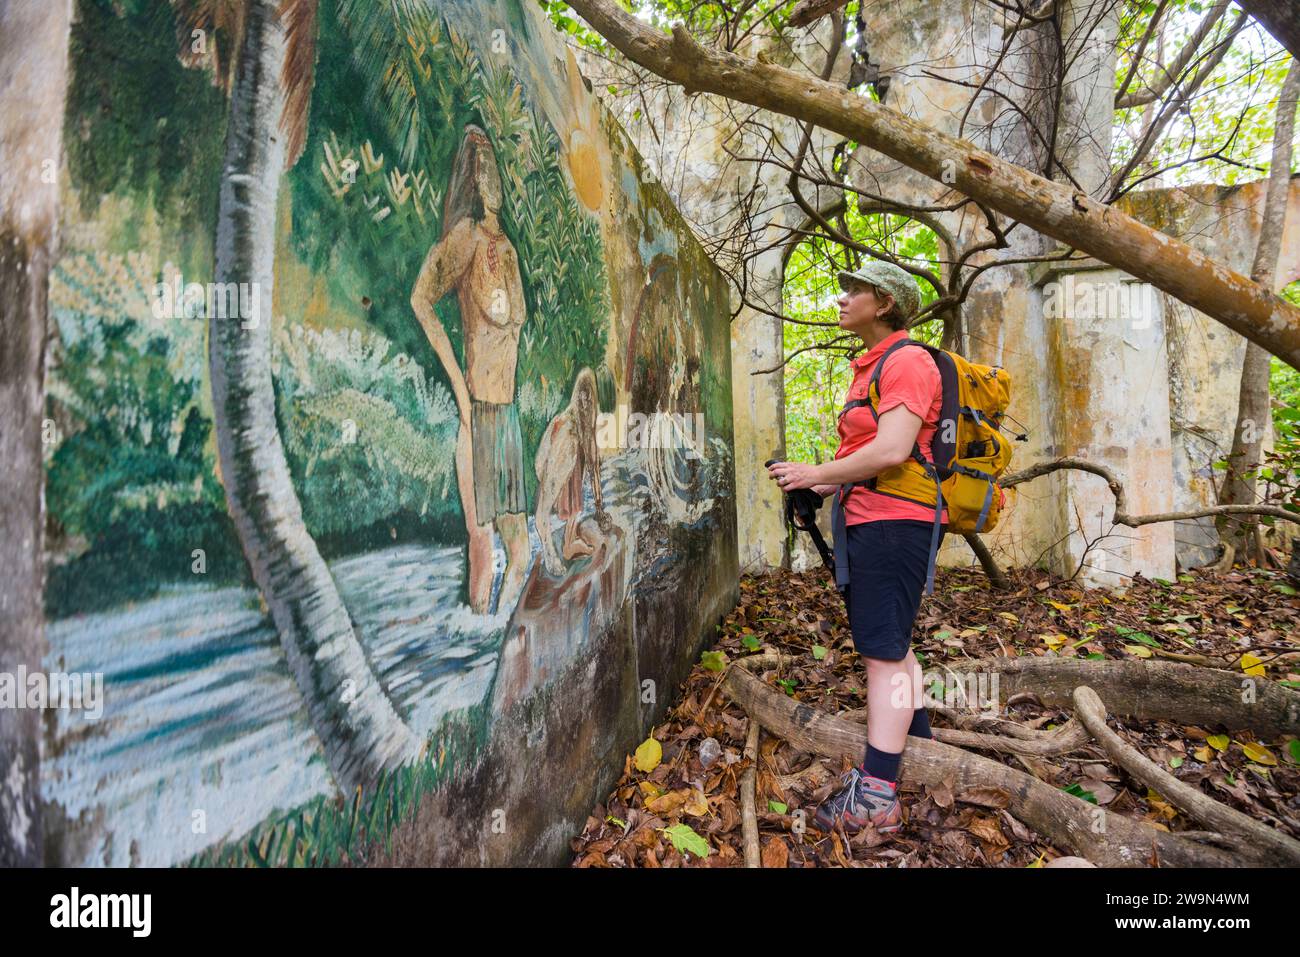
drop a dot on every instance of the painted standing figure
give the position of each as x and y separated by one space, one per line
475 257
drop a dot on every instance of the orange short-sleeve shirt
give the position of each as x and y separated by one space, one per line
910 378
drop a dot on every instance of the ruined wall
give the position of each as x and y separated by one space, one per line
1204 358
743 211
498 386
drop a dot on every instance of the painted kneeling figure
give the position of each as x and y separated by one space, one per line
566 456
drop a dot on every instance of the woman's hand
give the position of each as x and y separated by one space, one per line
792 475
825 490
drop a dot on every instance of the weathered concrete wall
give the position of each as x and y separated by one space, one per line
696 146
33 60
1204 358
501 383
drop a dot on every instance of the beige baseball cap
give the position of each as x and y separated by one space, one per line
895 280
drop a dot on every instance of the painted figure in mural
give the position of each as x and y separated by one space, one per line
566 455
475 257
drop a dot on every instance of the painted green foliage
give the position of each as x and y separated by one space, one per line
136 489
148 582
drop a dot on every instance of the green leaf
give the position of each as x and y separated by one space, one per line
1078 791
819 652
1285 589
713 660
686 840
776 807
1293 749
752 643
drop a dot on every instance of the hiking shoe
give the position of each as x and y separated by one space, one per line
862 800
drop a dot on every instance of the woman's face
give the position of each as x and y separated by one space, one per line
860 307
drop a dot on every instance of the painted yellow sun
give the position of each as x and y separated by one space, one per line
584 140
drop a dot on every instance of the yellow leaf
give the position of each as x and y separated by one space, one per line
1160 805
1203 755
668 803
1009 617
1038 861
1219 742
1053 641
649 754
697 805
1142 651
649 790
1259 753
1059 607
1252 665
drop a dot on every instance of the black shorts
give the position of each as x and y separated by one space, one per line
888 561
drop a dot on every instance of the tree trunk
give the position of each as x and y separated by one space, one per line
359 729
34 58
1280 18
1051 208
1253 409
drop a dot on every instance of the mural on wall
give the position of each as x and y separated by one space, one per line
377 383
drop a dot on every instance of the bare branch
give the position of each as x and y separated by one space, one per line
1051 208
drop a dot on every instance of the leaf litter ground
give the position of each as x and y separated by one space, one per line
678 800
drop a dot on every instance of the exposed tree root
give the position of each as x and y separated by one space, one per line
1103 837
1252 838
1151 690
1068 737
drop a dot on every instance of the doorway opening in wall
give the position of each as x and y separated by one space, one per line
817 351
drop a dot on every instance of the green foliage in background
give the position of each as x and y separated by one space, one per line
1225 135
1280 470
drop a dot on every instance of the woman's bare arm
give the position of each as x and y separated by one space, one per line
896 433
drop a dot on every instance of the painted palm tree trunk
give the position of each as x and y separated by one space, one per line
359 729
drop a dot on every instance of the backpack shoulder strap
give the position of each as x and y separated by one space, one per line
874 385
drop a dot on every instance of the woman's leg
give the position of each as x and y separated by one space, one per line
889 703
888 561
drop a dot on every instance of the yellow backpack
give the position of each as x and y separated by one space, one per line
969 451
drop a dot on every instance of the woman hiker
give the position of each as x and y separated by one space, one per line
886 539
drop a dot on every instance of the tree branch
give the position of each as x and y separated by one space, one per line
1121 516
1054 210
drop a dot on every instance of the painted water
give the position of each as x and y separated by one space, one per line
204 732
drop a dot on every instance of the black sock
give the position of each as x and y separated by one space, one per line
882 764
920 724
